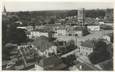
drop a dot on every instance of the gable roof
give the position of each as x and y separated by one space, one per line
42 43
53 63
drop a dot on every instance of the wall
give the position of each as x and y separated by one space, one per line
36 34
106 37
73 33
85 50
46 53
61 32
94 28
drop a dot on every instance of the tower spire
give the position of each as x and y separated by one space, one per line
4 11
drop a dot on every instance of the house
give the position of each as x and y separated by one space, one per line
108 37
60 43
48 52
54 29
37 33
52 63
109 24
75 31
33 34
86 47
93 27
89 20
60 31
26 52
101 23
44 46
29 28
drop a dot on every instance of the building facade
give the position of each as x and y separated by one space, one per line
47 52
36 34
81 16
93 27
85 50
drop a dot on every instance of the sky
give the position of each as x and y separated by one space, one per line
37 6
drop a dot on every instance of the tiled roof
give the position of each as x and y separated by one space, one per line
42 43
53 63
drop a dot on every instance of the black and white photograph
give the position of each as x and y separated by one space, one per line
57 36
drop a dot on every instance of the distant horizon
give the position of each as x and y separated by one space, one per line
52 6
58 10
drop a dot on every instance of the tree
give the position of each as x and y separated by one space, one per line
52 21
10 34
69 60
100 52
14 35
95 13
20 36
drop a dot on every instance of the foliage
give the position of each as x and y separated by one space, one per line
100 52
10 33
49 17
69 60
95 13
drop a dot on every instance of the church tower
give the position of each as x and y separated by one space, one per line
81 16
4 11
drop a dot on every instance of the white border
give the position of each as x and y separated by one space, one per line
48 1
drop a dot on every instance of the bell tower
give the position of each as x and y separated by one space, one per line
81 16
